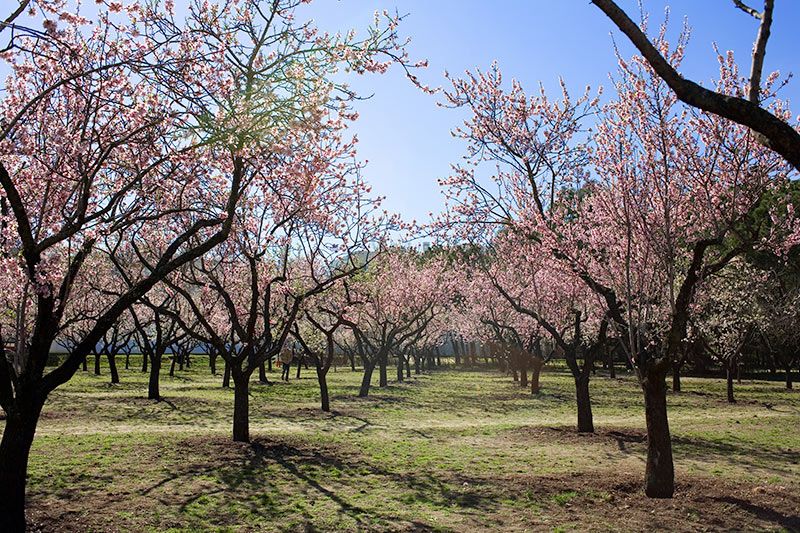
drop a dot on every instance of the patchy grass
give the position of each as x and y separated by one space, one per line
450 450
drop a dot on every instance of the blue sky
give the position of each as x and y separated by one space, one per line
406 136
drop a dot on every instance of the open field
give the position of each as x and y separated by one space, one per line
450 450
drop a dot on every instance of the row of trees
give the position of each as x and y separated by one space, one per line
636 233
193 177
192 172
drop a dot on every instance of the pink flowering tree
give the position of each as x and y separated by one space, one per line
305 223
391 305
658 199
138 133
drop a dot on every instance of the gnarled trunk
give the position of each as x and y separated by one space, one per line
15 449
659 473
96 363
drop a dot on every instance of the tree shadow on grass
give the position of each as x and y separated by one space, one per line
736 454
267 479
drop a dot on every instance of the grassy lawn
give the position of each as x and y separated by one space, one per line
450 450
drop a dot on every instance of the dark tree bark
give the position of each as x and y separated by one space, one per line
322 379
20 427
788 378
585 420
676 376
212 362
659 472
262 374
730 370
153 392
96 363
241 407
384 377
399 368
112 365
226 376
366 380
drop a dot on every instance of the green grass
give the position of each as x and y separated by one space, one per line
448 450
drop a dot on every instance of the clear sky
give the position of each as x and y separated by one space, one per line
406 137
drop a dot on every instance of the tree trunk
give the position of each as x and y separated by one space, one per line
127 361
729 370
153 392
299 366
366 380
212 363
96 363
417 369
660 473
399 368
514 373
145 358
408 366
523 378
172 365
15 449
262 374
112 365
384 378
585 420
676 376
269 363
788 378
226 376
84 365
612 371
324 399
241 408
536 372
